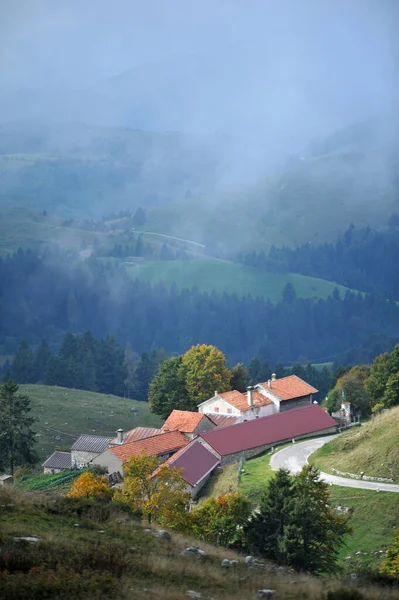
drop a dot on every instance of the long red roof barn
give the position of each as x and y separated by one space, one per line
195 460
268 430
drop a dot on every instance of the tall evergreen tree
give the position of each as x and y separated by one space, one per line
22 366
296 524
129 363
42 356
168 389
16 436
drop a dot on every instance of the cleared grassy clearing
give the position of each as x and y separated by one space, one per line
372 449
63 414
208 275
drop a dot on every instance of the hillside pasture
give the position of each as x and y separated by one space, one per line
372 449
222 276
63 414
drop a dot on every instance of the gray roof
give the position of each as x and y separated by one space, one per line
58 460
91 443
138 433
5 477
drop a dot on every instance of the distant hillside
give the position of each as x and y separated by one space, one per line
63 414
348 177
221 276
372 449
200 187
74 170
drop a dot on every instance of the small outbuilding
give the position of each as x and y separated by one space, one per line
57 462
6 479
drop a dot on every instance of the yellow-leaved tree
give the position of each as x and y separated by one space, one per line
157 491
89 485
205 371
390 565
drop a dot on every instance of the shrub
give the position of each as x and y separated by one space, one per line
89 485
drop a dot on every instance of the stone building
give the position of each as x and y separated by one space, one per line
86 448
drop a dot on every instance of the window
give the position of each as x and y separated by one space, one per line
216 409
229 411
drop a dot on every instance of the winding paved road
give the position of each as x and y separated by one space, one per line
294 457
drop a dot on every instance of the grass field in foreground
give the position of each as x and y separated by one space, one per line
63 414
88 552
232 278
372 449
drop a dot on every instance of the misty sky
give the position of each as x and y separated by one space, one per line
324 61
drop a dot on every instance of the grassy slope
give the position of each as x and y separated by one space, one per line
208 275
374 516
372 449
122 560
63 414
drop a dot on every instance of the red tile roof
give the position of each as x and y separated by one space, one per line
183 420
195 460
288 388
268 430
153 446
240 401
223 420
138 433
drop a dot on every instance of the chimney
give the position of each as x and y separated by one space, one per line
216 393
250 390
269 383
273 376
119 434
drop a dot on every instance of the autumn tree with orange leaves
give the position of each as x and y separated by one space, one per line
89 485
159 492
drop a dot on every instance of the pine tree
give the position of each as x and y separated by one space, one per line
168 390
42 356
296 524
238 377
22 366
16 435
130 370
266 530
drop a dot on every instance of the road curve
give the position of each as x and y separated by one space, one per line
295 456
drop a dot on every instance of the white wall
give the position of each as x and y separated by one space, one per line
211 406
259 411
108 460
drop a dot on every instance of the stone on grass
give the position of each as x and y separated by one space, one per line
194 551
192 594
266 593
227 563
162 533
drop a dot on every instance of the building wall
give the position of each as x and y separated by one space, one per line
7 481
252 452
196 490
218 405
204 425
108 460
81 459
48 471
209 447
258 411
295 403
